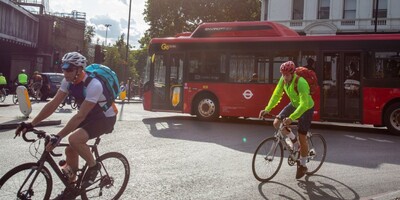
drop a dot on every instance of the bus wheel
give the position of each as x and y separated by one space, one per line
392 118
207 108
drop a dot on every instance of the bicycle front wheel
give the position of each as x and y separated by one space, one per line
74 105
15 183
112 179
267 159
15 99
316 153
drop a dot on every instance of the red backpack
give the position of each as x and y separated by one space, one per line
310 77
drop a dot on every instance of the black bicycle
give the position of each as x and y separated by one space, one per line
3 94
34 180
69 100
268 157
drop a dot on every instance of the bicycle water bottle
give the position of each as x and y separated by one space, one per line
289 143
67 170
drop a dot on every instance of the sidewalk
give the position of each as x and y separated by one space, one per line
10 115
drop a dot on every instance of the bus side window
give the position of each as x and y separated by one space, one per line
384 65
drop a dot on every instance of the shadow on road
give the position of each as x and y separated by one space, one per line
315 187
351 146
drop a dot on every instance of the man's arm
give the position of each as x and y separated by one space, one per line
276 96
50 107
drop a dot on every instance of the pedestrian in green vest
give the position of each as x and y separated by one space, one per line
22 78
3 82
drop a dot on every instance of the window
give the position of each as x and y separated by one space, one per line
280 58
159 71
382 9
349 10
206 66
298 9
308 60
384 65
323 9
176 63
241 68
263 70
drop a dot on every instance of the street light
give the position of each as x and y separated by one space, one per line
107 25
127 41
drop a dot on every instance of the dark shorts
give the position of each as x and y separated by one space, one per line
98 126
304 120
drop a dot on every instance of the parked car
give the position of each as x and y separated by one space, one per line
51 83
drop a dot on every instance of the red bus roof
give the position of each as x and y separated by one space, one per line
260 31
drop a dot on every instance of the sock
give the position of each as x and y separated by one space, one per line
291 136
303 161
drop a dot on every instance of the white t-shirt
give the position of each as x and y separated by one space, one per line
94 94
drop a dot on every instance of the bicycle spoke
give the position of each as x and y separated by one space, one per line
316 153
15 184
112 179
267 159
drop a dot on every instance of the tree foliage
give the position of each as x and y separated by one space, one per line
88 35
115 58
169 17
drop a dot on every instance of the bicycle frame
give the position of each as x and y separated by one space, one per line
48 157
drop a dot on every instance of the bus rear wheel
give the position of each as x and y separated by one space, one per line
207 108
392 118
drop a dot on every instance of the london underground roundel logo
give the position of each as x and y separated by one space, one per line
247 94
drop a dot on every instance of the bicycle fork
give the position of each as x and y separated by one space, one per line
29 192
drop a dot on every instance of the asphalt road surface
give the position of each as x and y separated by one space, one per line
174 156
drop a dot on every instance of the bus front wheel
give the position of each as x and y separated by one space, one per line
392 118
207 108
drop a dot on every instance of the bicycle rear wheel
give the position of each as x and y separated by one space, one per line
15 98
112 180
267 159
74 105
316 153
15 183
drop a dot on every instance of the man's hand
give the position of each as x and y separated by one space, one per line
262 114
287 121
54 140
23 128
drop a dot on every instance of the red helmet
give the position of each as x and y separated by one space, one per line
287 67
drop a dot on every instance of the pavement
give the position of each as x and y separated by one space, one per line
11 116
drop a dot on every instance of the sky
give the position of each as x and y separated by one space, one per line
114 12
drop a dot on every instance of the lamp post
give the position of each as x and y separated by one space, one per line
127 40
107 25
376 15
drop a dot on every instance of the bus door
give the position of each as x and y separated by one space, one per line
167 88
340 94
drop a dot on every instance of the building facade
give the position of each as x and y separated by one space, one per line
317 17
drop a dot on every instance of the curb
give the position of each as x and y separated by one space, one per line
43 123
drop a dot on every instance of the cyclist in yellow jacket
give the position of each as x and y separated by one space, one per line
3 83
22 79
301 108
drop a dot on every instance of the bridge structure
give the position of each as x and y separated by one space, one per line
31 38
18 27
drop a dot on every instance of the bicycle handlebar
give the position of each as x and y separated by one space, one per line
40 135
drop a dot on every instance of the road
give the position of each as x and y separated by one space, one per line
174 156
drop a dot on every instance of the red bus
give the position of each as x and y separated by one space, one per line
230 69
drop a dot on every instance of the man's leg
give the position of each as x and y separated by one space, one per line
304 125
77 140
303 145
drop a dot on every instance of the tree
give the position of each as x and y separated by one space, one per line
88 35
115 58
169 17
